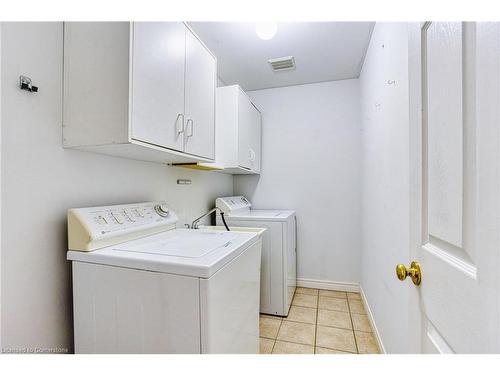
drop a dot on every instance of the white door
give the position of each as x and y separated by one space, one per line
455 172
158 83
201 71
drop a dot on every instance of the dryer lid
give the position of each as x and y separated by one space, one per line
267 215
191 245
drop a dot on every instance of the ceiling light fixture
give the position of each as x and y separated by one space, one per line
266 30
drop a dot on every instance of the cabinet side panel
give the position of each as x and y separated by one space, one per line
226 130
120 310
273 288
230 306
290 251
96 83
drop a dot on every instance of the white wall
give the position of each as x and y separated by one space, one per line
311 163
41 180
385 181
220 82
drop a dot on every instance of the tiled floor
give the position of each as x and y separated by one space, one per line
320 322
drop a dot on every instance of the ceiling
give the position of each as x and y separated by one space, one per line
323 51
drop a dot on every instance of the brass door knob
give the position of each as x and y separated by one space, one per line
414 272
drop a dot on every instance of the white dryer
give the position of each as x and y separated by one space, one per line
279 250
142 286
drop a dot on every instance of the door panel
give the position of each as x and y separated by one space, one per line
433 342
445 131
459 291
201 70
158 83
255 146
245 131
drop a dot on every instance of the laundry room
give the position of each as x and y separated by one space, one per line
207 186
327 251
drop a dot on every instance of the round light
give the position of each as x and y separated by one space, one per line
266 30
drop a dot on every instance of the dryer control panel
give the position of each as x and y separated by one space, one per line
230 205
92 228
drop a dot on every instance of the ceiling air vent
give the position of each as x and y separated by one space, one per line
282 63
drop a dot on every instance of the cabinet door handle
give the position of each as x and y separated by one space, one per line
180 129
252 155
190 128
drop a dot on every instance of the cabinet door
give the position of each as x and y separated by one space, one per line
256 134
244 131
201 71
158 59
249 129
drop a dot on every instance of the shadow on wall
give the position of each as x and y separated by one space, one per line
250 182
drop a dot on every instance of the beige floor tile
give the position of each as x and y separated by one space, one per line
305 300
361 322
284 347
356 306
352 295
300 333
333 318
266 345
270 316
330 303
335 338
310 291
366 343
332 293
269 327
302 315
320 350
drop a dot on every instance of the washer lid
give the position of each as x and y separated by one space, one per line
188 252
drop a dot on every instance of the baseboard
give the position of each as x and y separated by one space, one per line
372 321
328 285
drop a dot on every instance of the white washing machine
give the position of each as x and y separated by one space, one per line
279 250
142 286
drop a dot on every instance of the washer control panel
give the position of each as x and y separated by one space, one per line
95 227
162 209
230 205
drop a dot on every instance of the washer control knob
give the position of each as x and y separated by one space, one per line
162 209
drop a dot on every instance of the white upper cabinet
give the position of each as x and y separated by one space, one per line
201 76
249 133
143 90
238 132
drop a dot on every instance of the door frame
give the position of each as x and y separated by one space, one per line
415 76
1 24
